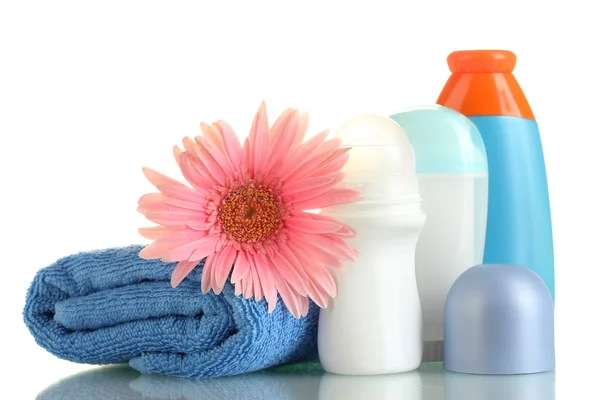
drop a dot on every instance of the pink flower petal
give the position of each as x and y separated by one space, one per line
156 178
202 226
300 154
318 295
173 203
147 207
334 241
258 246
232 145
247 283
213 270
312 226
280 123
332 197
211 135
242 284
222 241
288 273
155 232
203 164
298 245
312 193
189 145
259 138
174 218
325 150
265 275
209 161
223 267
283 135
256 283
333 164
176 153
333 245
313 283
288 296
184 235
345 230
293 187
162 246
185 251
270 247
206 282
318 274
247 164
241 267
150 199
182 270
290 256
153 251
204 249
304 306
217 154
302 128
322 279
238 288
196 173
182 192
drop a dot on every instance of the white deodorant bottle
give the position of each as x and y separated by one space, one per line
453 181
374 325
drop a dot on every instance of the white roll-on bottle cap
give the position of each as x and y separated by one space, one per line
381 164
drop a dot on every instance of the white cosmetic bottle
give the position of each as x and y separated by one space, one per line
374 324
453 181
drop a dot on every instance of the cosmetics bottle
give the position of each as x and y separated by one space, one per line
519 229
453 182
374 324
499 320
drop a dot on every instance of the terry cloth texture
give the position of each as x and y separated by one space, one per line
110 306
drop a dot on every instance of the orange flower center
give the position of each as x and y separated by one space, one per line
250 213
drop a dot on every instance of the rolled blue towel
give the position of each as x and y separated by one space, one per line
110 306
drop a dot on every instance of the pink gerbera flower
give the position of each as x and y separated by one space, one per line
246 211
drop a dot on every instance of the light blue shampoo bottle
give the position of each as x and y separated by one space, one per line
519 229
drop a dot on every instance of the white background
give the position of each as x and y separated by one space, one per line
92 91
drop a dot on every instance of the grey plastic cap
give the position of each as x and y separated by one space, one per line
499 319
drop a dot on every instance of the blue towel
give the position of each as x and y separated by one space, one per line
111 306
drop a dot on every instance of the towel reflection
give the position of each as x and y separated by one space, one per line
305 381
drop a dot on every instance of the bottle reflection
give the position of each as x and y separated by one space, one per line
439 384
499 387
303 382
381 387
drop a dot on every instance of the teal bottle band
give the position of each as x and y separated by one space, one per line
444 140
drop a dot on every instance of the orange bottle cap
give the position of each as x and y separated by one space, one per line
482 61
482 83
